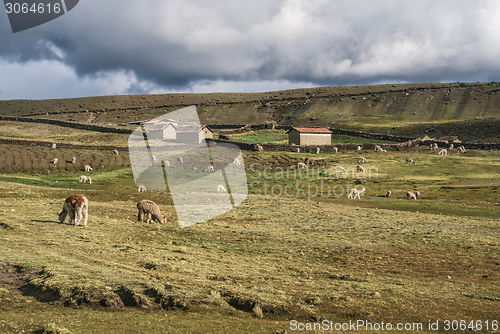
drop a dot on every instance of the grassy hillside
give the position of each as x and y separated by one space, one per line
289 251
296 248
308 260
411 108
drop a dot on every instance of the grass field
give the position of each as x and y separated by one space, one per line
287 252
295 249
261 136
54 133
281 136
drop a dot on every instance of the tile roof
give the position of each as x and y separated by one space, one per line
448 138
153 121
311 130
189 127
160 126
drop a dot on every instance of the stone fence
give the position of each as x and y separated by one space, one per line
73 125
403 141
39 143
349 146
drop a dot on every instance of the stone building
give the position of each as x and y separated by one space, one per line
193 133
162 130
309 136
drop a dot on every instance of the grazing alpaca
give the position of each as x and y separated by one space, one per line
356 193
360 168
260 148
85 179
179 160
411 195
388 194
221 189
443 152
76 206
141 188
54 145
301 165
236 161
335 149
56 161
209 169
341 169
115 152
73 161
318 150
87 168
379 148
151 210
411 161
461 149
359 148
362 159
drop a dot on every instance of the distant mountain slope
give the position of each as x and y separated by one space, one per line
394 108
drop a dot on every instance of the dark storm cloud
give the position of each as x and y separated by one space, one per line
177 44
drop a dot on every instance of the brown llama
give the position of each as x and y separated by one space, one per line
76 206
151 210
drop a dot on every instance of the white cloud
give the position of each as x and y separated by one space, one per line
52 79
176 45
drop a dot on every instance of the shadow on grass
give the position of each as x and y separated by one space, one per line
46 221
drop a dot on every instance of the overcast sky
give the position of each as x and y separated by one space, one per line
105 47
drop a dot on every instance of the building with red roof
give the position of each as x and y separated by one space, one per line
309 136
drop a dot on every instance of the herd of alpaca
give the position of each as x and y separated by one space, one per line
87 168
412 195
354 192
409 194
444 151
76 207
